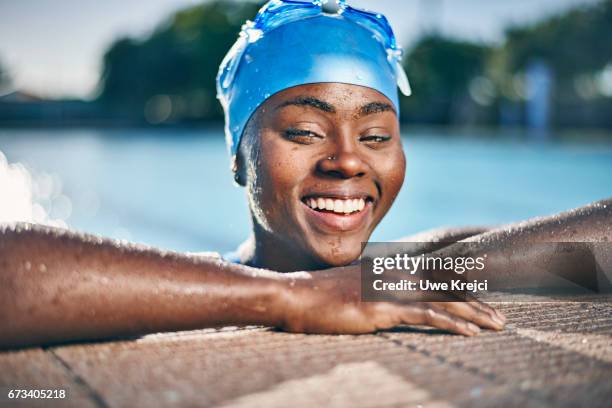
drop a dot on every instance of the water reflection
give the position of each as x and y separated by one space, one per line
31 197
173 188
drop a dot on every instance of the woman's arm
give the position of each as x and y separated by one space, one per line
438 238
57 285
591 223
585 243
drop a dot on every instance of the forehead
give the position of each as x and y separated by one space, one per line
333 97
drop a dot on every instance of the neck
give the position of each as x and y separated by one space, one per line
265 250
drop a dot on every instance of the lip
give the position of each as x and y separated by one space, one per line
334 223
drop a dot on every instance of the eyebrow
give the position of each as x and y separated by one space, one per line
309 101
375 107
367 109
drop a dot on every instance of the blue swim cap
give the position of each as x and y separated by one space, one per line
294 43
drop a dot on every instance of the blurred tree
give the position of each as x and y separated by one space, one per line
575 42
170 76
440 70
577 47
462 82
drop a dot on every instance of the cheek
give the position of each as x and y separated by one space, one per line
392 171
281 168
273 187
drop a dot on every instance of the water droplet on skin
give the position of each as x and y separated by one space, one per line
260 308
42 267
27 265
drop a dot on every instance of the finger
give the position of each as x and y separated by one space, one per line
474 314
474 311
431 316
489 309
483 306
475 302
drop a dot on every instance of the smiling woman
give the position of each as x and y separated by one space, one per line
342 162
312 128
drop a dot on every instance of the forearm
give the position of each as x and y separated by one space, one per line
57 285
438 238
517 250
591 223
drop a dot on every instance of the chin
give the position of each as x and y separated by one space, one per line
333 257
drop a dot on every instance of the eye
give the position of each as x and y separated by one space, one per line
374 140
302 136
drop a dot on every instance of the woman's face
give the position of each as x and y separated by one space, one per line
322 164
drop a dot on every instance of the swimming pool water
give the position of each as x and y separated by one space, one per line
173 188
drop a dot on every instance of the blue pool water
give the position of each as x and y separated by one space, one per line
173 188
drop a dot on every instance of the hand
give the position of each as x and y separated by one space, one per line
329 301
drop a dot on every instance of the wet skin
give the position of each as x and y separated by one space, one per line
58 285
326 141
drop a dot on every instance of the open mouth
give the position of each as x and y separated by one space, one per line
340 206
334 213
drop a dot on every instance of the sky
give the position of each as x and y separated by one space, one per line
53 48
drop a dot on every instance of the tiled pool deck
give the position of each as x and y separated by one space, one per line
551 354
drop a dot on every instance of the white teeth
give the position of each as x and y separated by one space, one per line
348 206
351 206
337 205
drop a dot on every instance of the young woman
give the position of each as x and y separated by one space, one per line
312 124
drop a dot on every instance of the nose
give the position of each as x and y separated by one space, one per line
342 162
